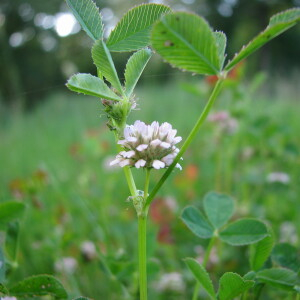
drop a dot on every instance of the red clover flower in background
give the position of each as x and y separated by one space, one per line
148 146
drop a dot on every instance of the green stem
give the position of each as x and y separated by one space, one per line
130 181
297 296
142 240
258 293
142 230
188 141
147 180
128 173
205 261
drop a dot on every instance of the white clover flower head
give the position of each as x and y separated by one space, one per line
226 123
66 264
171 282
88 249
281 177
288 233
148 146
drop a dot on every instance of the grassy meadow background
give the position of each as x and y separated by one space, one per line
55 150
55 159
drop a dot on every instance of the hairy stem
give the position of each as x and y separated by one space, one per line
142 240
188 141
127 172
142 229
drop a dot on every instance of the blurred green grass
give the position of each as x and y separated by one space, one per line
55 160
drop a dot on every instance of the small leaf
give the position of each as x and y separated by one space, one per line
278 277
91 85
187 42
244 232
201 275
278 24
133 30
218 208
87 14
260 252
12 239
134 69
232 285
10 211
103 61
39 285
286 256
197 223
221 41
3 290
2 266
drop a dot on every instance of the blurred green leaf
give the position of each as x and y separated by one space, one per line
10 211
134 69
232 285
219 208
87 14
2 266
278 24
250 275
133 30
3 290
103 61
186 41
90 85
286 256
39 285
260 252
12 240
201 275
81 298
196 222
278 277
244 232
221 41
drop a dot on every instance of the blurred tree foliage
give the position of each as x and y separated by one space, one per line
36 60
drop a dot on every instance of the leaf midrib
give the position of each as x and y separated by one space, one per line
268 279
111 46
83 23
189 45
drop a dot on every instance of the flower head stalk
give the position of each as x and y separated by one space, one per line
148 146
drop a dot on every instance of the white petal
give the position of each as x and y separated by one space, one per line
115 162
129 154
124 162
164 129
141 147
131 139
122 142
178 166
140 127
171 135
177 139
168 159
140 163
157 164
127 131
176 150
155 142
165 145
